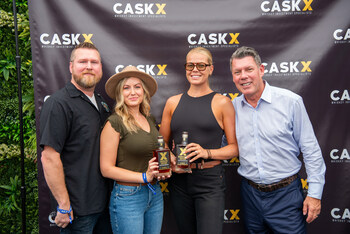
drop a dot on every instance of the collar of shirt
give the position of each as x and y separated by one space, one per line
266 95
73 91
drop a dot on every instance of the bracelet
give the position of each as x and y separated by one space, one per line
148 183
209 154
144 177
62 211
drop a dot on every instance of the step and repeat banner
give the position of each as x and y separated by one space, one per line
304 45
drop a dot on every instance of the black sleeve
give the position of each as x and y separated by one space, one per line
54 124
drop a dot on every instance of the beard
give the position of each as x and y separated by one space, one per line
86 81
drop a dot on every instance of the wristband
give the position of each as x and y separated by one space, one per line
62 211
148 183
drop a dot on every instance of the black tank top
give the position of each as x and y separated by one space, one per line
194 115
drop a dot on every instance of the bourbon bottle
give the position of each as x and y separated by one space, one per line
181 162
163 158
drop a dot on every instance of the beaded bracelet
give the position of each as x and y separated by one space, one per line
62 211
148 183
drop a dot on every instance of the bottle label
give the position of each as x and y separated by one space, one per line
181 156
163 160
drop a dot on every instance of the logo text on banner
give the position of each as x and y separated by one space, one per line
213 39
286 7
64 40
341 36
139 10
288 68
340 96
155 70
231 216
340 215
339 155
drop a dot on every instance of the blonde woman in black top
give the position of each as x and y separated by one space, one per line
198 198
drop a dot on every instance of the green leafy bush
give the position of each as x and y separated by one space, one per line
10 158
10 184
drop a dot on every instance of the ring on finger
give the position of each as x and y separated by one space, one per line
196 152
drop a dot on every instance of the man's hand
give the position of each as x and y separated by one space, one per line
62 220
312 207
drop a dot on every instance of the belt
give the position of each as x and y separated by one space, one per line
205 165
274 186
135 184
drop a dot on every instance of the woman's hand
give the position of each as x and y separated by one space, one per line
194 151
152 169
176 169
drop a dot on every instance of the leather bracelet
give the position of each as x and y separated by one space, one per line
209 154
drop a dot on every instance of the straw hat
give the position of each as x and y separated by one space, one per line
130 71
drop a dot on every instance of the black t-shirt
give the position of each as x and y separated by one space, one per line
71 124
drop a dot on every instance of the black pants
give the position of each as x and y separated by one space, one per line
198 200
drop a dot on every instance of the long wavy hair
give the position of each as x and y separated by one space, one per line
123 110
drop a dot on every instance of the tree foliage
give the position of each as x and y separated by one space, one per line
10 183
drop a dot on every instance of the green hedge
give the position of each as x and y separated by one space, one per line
10 184
10 170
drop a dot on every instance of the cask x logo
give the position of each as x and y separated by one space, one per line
163 156
151 69
64 40
164 187
231 216
287 67
139 10
286 7
214 40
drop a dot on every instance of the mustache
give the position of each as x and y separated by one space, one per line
89 73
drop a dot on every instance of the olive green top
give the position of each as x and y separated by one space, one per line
135 148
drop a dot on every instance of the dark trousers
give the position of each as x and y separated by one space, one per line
279 211
81 225
98 223
198 200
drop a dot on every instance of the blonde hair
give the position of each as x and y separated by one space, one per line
202 50
123 110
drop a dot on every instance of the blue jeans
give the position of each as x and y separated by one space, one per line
82 224
135 209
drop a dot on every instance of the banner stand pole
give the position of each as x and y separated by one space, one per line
18 66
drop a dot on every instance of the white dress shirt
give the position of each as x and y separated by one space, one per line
271 136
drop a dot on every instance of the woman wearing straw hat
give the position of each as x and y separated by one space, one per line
127 141
198 198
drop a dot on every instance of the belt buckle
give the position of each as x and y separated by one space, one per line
201 165
261 187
